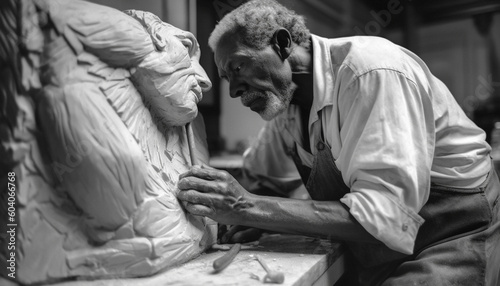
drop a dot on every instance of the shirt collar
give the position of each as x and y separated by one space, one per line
322 88
323 77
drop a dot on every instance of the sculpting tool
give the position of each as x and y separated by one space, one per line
191 145
209 223
272 276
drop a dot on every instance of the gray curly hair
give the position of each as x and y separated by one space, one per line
255 23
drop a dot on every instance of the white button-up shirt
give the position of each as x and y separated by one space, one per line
392 127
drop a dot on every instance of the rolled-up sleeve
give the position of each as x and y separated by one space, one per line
387 134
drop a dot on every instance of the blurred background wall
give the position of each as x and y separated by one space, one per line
458 39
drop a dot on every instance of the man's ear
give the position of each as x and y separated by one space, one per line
282 43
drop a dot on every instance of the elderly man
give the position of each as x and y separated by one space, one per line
392 165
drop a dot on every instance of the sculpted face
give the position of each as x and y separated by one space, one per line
170 79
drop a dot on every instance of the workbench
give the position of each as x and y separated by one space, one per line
303 260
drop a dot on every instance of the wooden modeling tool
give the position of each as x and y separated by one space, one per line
272 276
211 224
190 140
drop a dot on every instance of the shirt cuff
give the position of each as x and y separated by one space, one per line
385 218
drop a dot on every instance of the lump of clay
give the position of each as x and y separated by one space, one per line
93 126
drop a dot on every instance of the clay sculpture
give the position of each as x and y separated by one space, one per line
93 107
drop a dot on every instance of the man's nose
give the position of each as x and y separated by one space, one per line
236 88
202 77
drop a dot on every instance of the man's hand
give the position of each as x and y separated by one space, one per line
213 193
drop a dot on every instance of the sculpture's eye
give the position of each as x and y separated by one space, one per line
188 44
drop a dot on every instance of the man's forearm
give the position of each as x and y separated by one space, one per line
216 194
313 218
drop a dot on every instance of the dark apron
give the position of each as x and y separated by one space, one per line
457 224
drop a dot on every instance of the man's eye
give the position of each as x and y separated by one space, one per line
238 68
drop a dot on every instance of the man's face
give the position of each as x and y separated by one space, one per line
260 77
171 79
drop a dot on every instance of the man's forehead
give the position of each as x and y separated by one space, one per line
230 49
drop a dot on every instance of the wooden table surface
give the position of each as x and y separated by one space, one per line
303 260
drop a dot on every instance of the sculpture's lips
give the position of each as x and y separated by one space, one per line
199 94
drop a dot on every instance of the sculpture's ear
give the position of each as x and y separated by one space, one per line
159 41
151 23
282 43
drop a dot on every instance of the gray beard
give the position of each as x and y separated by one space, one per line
275 103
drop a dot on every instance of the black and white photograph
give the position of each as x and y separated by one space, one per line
249 142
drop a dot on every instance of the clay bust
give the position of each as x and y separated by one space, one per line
168 72
96 139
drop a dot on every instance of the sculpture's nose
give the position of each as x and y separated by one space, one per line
202 77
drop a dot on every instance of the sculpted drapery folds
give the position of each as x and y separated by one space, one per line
93 125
